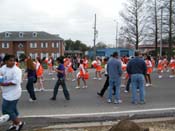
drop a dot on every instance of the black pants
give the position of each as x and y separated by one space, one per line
30 88
128 84
105 87
61 82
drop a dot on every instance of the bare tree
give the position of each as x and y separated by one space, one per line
153 22
156 27
170 27
133 17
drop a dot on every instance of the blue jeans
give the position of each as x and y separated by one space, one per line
61 82
116 83
10 108
137 80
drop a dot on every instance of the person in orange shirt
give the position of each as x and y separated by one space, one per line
160 67
165 64
50 65
81 75
85 62
149 71
39 73
70 69
98 68
172 67
17 62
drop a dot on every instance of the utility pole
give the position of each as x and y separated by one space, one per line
161 31
116 35
95 33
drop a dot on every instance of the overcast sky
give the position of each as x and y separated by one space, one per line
72 19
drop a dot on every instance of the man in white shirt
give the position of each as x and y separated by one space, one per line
11 91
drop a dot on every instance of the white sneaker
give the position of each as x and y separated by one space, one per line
53 78
42 89
73 79
147 84
123 86
125 91
109 100
84 86
99 79
36 89
4 118
117 101
159 76
31 100
95 78
77 87
171 76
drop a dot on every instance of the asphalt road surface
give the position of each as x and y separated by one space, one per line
85 103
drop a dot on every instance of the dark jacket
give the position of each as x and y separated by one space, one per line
136 66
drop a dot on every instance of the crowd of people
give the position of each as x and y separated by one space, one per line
133 73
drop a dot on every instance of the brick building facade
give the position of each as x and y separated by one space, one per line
35 44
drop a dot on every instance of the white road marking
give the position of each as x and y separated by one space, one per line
45 90
46 79
104 113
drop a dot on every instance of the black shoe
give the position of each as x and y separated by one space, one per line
68 98
52 98
99 94
134 102
19 127
11 128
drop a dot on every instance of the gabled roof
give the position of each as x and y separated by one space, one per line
28 36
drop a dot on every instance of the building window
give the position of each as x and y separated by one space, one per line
55 45
20 45
44 55
21 34
33 45
55 55
32 55
44 45
5 45
34 34
7 34
36 55
58 54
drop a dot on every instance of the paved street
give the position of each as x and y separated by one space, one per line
85 102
